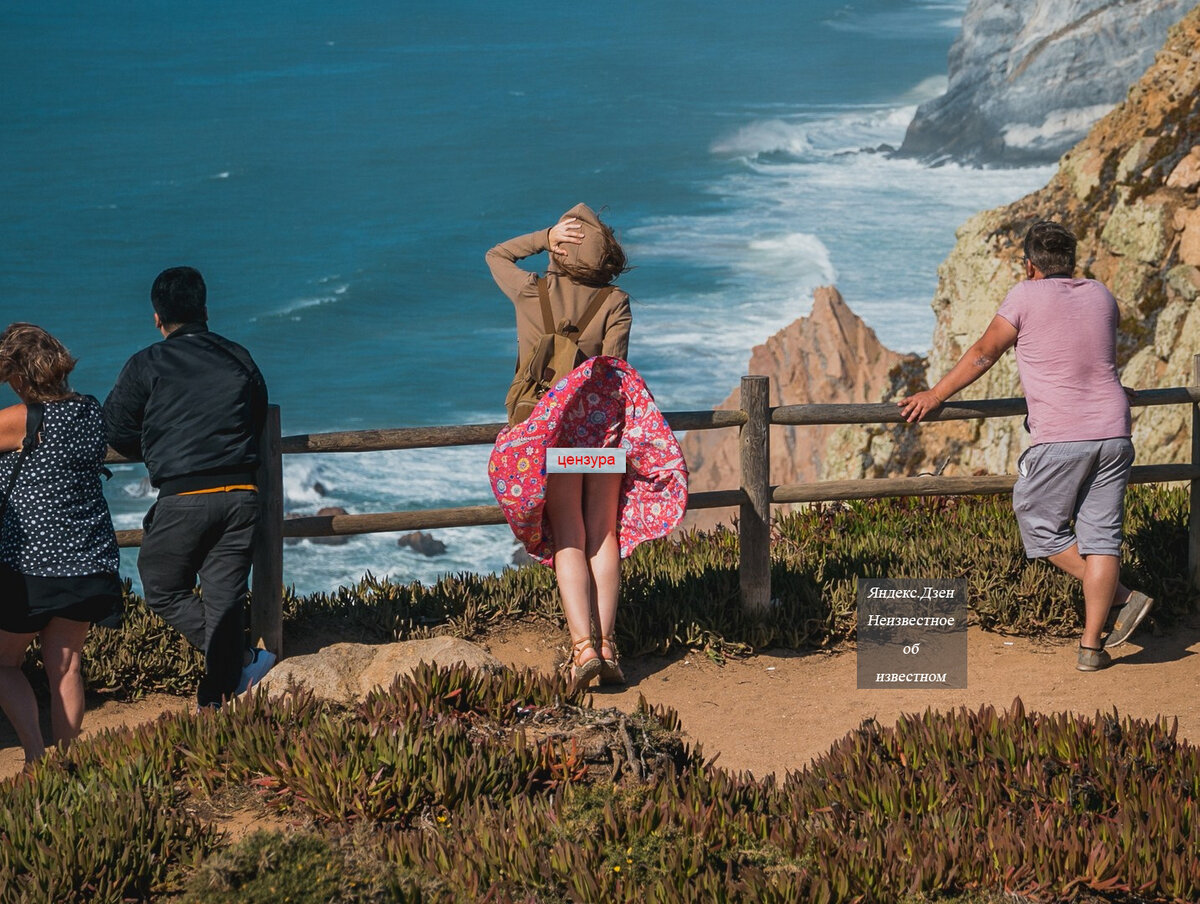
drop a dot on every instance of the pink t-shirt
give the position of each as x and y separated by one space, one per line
1066 356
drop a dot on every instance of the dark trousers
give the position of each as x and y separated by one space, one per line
209 536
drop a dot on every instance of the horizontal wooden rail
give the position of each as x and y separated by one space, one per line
827 491
383 440
989 485
423 519
889 412
464 435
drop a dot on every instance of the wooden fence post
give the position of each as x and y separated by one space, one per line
754 523
1194 488
266 603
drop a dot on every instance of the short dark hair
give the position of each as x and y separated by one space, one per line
1050 247
179 296
36 362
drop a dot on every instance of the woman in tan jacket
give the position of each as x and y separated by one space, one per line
581 510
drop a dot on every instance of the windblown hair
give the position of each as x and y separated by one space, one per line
35 362
1050 247
612 263
180 296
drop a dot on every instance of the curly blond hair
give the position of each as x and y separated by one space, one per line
35 363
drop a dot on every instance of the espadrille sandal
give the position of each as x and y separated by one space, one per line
582 671
610 662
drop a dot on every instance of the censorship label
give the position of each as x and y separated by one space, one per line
585 461
912 633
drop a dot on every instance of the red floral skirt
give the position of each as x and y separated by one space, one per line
601 404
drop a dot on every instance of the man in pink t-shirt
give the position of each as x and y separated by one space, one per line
1070 493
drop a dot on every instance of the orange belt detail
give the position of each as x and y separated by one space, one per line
247 486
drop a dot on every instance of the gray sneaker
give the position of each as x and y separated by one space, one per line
1092 659
1128 618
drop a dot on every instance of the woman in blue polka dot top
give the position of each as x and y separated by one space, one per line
58 552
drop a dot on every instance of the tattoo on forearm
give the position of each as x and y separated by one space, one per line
983 361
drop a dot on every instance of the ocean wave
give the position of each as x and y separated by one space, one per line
779 140
914 21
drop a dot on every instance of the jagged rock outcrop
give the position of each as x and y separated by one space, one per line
829 356
1129 191
1027 78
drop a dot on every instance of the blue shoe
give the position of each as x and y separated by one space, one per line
253 673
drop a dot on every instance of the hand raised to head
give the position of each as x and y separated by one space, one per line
565 231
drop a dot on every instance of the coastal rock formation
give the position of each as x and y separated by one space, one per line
423 543
1129 191
829 356
1027 78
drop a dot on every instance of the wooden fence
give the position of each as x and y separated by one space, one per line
754 497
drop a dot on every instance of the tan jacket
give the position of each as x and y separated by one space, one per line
607 334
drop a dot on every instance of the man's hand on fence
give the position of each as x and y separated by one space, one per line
915 407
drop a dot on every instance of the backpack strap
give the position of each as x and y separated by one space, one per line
544 299
34 414
593 307
589 312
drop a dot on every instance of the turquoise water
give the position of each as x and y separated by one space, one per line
338 171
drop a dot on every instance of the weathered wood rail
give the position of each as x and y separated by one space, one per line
754 496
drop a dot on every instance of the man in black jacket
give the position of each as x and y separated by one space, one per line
192 407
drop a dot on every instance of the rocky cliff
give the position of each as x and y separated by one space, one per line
1129 190
1027 78
829 356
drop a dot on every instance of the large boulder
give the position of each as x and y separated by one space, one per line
347 672
1028 78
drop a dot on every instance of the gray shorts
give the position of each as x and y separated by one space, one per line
1082 481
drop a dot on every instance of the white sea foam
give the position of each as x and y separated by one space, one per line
294 308
391 481
806 137
914 20
926 89
800 207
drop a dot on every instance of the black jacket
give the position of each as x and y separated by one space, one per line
192 407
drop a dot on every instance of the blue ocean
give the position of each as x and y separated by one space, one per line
337 172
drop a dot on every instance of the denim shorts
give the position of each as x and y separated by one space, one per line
1083 482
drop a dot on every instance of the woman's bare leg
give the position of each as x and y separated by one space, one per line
62 645
16 694
564 509
601 497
